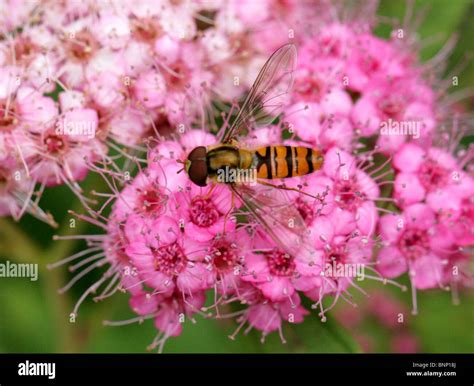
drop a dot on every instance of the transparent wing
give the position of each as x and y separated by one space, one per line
268 95
271 208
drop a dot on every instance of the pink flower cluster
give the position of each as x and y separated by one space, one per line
181 250
430 238
352 84
79 81
155 77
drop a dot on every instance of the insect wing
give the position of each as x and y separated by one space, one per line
268 95
282 222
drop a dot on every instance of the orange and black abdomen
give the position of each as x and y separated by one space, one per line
286 161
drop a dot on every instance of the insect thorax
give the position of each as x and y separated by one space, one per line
229 164
222 157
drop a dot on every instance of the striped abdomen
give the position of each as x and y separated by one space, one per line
286 161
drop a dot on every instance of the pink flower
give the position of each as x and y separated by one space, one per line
112 30
422 173
392 103
173 310
204 213
277 274
250 12
267 316
333 40
35 109
15 189
169 313
225 258
187 84
18 14
167 48
106 90
177 19
322 201
344 259
371 57
64 163
163 257
127 126
327 129
457 274
354 193
78 124
137 77
147 195
69 100
412 245
462 227
150 89
9 76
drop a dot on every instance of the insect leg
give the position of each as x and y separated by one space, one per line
208 194
232 206
262 182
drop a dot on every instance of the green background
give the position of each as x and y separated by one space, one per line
35 318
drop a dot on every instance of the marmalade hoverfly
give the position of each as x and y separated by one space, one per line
268 95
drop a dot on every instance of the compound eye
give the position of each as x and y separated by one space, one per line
198 153
198 172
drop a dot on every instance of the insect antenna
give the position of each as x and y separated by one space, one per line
182 163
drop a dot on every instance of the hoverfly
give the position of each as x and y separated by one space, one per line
269 207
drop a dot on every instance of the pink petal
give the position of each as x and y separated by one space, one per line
367 217
390 227
390 262
427 272
419 216
365 116
143 304
279 288
409 158
408 189
339 164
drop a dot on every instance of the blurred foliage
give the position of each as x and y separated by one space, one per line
35 318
